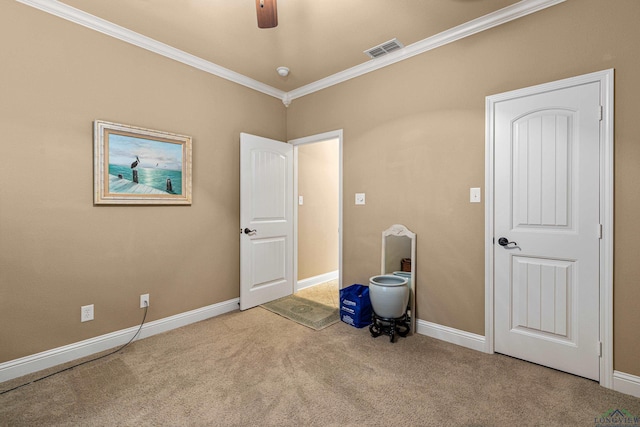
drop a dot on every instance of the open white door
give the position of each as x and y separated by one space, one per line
547 227
266 220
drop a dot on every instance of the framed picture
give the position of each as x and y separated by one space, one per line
134 165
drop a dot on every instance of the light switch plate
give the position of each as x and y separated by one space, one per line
360 199
474 195
300 200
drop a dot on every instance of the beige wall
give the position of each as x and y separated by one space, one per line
414 143
318 177
57 250
413 136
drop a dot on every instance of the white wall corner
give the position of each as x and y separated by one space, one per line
493 19
286 99
475 26
47 359
108 28
451 335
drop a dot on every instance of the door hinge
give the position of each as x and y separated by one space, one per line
599 231
599 348
601 113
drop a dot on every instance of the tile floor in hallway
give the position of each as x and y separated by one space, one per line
325 293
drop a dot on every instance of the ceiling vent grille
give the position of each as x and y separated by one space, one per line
384 48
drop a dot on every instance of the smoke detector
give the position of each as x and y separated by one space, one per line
283 71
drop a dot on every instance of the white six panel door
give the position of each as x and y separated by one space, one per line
547 151
266 220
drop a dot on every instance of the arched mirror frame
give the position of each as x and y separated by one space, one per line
400 230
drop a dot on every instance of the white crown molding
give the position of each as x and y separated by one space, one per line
77 16
494 19
499 17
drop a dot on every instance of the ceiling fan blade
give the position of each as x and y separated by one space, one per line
267 12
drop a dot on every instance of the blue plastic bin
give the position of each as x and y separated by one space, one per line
355 306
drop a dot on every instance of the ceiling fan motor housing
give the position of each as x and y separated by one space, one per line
267 12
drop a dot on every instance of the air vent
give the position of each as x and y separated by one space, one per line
384 48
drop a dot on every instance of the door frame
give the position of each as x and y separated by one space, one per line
605 78
335 134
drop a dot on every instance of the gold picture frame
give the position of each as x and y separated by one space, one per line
134 165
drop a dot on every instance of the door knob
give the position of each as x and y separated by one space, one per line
249 232
503 241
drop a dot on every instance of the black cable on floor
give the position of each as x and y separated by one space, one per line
85 362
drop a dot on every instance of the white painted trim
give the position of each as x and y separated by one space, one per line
316 280
103 26
451 335
47 359
605 78
325 136
494 19
296 206
606 212
626 383
622 382
401 230
489 168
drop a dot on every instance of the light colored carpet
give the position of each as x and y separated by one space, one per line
257 368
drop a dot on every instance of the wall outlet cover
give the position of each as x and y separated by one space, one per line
86 313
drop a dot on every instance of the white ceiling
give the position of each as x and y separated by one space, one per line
316 39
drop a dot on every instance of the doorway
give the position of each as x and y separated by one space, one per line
318 217
549 225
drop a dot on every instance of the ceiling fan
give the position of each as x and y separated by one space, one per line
267 12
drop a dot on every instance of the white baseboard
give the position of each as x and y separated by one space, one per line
316 280
46 359
451 335
622 382
626 383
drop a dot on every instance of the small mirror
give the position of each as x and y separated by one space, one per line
399 257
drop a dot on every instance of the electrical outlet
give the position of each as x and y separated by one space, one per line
86 313
144 300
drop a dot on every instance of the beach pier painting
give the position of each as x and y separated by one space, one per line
134 165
